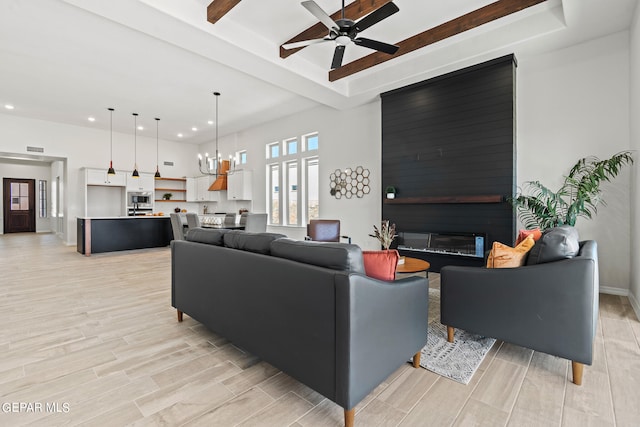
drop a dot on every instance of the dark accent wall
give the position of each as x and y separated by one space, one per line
448 147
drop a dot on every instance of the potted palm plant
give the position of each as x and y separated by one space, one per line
578 196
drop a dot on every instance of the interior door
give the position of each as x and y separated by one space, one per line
19 204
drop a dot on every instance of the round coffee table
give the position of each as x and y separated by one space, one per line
413 265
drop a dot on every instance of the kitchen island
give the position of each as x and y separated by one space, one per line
109 234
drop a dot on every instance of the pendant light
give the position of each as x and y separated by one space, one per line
157 175
135 173
111 170
211 164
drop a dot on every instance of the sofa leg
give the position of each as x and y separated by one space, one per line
577 369
349 416
179 316
450 332
416 360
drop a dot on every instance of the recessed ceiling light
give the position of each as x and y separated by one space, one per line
92 119
210 122
195 129
9 106
140 127
179 135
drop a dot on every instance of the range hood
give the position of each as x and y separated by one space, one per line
221 182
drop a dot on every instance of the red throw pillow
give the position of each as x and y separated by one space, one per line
522 234
381 264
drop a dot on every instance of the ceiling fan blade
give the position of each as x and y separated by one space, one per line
337 57
322 16
374 44
376 16
304 43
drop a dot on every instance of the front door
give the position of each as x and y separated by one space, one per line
19 205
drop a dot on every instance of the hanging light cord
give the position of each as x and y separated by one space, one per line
111 130
135 140
157 144
217 95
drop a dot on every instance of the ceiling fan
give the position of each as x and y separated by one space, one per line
344 31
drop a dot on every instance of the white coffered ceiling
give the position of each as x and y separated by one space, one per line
66 60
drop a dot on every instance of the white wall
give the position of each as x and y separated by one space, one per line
348 139
88 147
28 171
574 103
634 107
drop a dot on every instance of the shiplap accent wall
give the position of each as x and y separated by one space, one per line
452 136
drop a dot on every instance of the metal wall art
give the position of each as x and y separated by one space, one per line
349 182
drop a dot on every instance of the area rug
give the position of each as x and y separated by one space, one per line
458 360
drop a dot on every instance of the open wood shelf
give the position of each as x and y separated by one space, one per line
170 200
491 198
170 189
171 179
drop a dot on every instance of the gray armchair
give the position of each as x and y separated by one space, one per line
550 307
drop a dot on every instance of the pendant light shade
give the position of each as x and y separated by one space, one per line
135 173
111 170
157 175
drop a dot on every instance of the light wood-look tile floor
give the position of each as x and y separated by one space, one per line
95 341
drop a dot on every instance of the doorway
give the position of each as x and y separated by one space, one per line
19 205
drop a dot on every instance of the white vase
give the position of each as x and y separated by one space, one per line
391 195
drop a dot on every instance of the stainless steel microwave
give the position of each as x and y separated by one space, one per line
139 199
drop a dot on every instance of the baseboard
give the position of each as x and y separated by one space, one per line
634 304
614 291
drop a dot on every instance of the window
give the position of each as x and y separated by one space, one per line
274 193
311 142
296 172
312 194
273 150
292 146
242 157
292 192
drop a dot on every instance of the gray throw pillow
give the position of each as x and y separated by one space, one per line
204 235
336 256
555 244
251 242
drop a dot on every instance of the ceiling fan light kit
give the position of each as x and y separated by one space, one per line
345 31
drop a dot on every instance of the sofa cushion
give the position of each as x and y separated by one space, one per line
381 264
251 242
337 256
555 244
503 256
206 235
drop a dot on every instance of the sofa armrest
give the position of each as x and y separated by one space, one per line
548 307
379 326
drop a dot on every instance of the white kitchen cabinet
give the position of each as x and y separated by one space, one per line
198 189
100 177
145 182
240 185
192 193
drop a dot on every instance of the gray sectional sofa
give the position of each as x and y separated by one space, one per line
305 307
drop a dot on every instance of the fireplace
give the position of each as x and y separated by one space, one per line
442 249
456 244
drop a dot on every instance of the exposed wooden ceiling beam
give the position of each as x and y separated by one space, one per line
471 20
353 11
218 8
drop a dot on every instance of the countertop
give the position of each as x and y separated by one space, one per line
124 217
